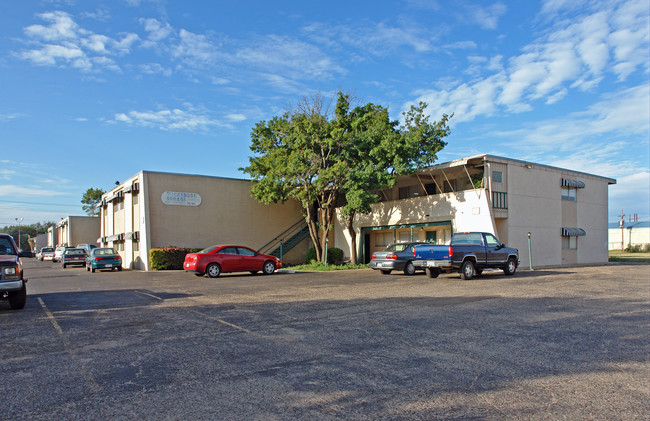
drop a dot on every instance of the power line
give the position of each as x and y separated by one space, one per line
38 203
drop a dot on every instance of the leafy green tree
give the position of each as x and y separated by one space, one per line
90 201
26 231
326 161
377 151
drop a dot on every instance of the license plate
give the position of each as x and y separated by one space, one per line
378 265
107 266
431 264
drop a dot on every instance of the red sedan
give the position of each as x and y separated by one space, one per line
227 258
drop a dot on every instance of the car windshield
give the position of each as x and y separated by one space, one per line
104 251
6 247
47 250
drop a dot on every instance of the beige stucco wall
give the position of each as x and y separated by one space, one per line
467 210
227 214
535 205
75 230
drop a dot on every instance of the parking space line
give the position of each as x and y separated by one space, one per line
92 384
234 326
148 295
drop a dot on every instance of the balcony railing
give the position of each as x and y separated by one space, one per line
499 200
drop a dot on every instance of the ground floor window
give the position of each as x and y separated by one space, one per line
569 242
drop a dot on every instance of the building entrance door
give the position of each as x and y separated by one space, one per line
431 237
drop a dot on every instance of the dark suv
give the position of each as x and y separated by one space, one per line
12 283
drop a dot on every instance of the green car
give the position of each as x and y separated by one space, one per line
103 258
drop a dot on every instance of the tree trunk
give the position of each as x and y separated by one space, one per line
353 239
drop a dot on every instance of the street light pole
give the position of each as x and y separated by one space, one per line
19 221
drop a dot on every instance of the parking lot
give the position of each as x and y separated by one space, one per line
562 343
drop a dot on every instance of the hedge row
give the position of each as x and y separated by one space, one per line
168 258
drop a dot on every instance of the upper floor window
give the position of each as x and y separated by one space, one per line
408 191
569 193
497 176
431 188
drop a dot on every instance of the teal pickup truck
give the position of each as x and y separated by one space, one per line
469 253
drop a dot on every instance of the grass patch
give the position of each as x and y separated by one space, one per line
621 256
317 266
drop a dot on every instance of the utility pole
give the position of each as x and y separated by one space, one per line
621 223
19 221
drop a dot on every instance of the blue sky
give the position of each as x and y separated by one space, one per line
95 91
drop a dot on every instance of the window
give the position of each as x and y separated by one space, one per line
382 239
404 236
242 251
431 188
408 191
497 176
450 186
492 240
569 242
118 206
119 245
136 246
569 193
135 199
228 250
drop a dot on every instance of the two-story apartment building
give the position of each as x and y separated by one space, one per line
157 209
564 211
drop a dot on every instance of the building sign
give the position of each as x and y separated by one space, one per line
181 198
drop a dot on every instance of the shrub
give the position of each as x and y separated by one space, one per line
168 258
334 255
638 248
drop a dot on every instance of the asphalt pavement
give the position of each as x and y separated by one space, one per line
561 343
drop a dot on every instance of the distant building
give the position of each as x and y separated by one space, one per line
73 230
632 234
52 236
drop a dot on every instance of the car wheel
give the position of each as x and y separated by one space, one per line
119 268
510 267
199 273
467 270
409 269
17 299
63 265
386 272
92 269
269 267
432 272
213 270
87 268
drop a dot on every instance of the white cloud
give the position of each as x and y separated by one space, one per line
63 42
171 119
486 17
236 117
13 190
576 53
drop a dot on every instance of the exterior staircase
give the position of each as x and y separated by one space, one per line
287 240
